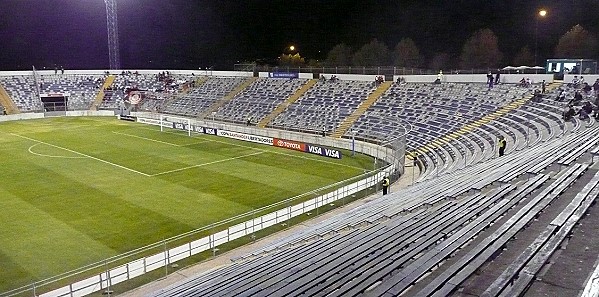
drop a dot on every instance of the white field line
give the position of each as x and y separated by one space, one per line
159 141
273 152
194 143
50 156
81 154
208 163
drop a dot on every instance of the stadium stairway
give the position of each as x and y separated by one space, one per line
7 103
373 97
521 123
100 96
294 97
216 105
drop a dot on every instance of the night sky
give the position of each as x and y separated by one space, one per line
187 34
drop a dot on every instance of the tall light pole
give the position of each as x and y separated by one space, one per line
112 27
542 13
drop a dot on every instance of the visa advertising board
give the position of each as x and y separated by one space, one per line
308 148
278 142
198 129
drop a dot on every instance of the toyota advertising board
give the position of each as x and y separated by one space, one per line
289 144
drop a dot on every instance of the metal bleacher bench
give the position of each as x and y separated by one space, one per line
464 267
594 153
534 254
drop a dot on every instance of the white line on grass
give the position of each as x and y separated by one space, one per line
159 141
194 143
208 163
270 151
81 154
51 156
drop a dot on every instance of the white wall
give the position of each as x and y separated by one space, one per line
475 78
100 72
306 75
21 116
358 77
588 78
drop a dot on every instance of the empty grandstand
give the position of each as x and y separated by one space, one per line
469 223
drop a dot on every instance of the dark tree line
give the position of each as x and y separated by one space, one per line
480 50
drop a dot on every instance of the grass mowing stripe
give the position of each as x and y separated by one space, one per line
145 138
207 163
82 154
79 210
30 235
12 274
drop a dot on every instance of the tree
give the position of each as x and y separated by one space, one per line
481 50
374 53
524 57
577 43
439 61
314 63
291 60
406 54
340 55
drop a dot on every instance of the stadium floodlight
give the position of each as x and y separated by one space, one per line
542 14
112 27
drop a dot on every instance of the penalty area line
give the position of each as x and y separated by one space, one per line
269 151
145 138
208 163
81 154
158 141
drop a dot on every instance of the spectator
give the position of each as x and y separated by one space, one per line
497 78
440 76
61 70
543 85
588 107
561 96
574 83
569 112
502 145
537 96
583 115
577 96
385 185
523 82
490 79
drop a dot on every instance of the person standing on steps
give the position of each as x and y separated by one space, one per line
385 185
502 145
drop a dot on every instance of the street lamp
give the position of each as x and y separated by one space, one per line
542 14
291 48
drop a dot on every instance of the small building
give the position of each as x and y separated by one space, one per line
559 67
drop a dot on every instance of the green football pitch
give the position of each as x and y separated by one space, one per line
74 191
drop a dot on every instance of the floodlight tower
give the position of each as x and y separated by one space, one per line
112 26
